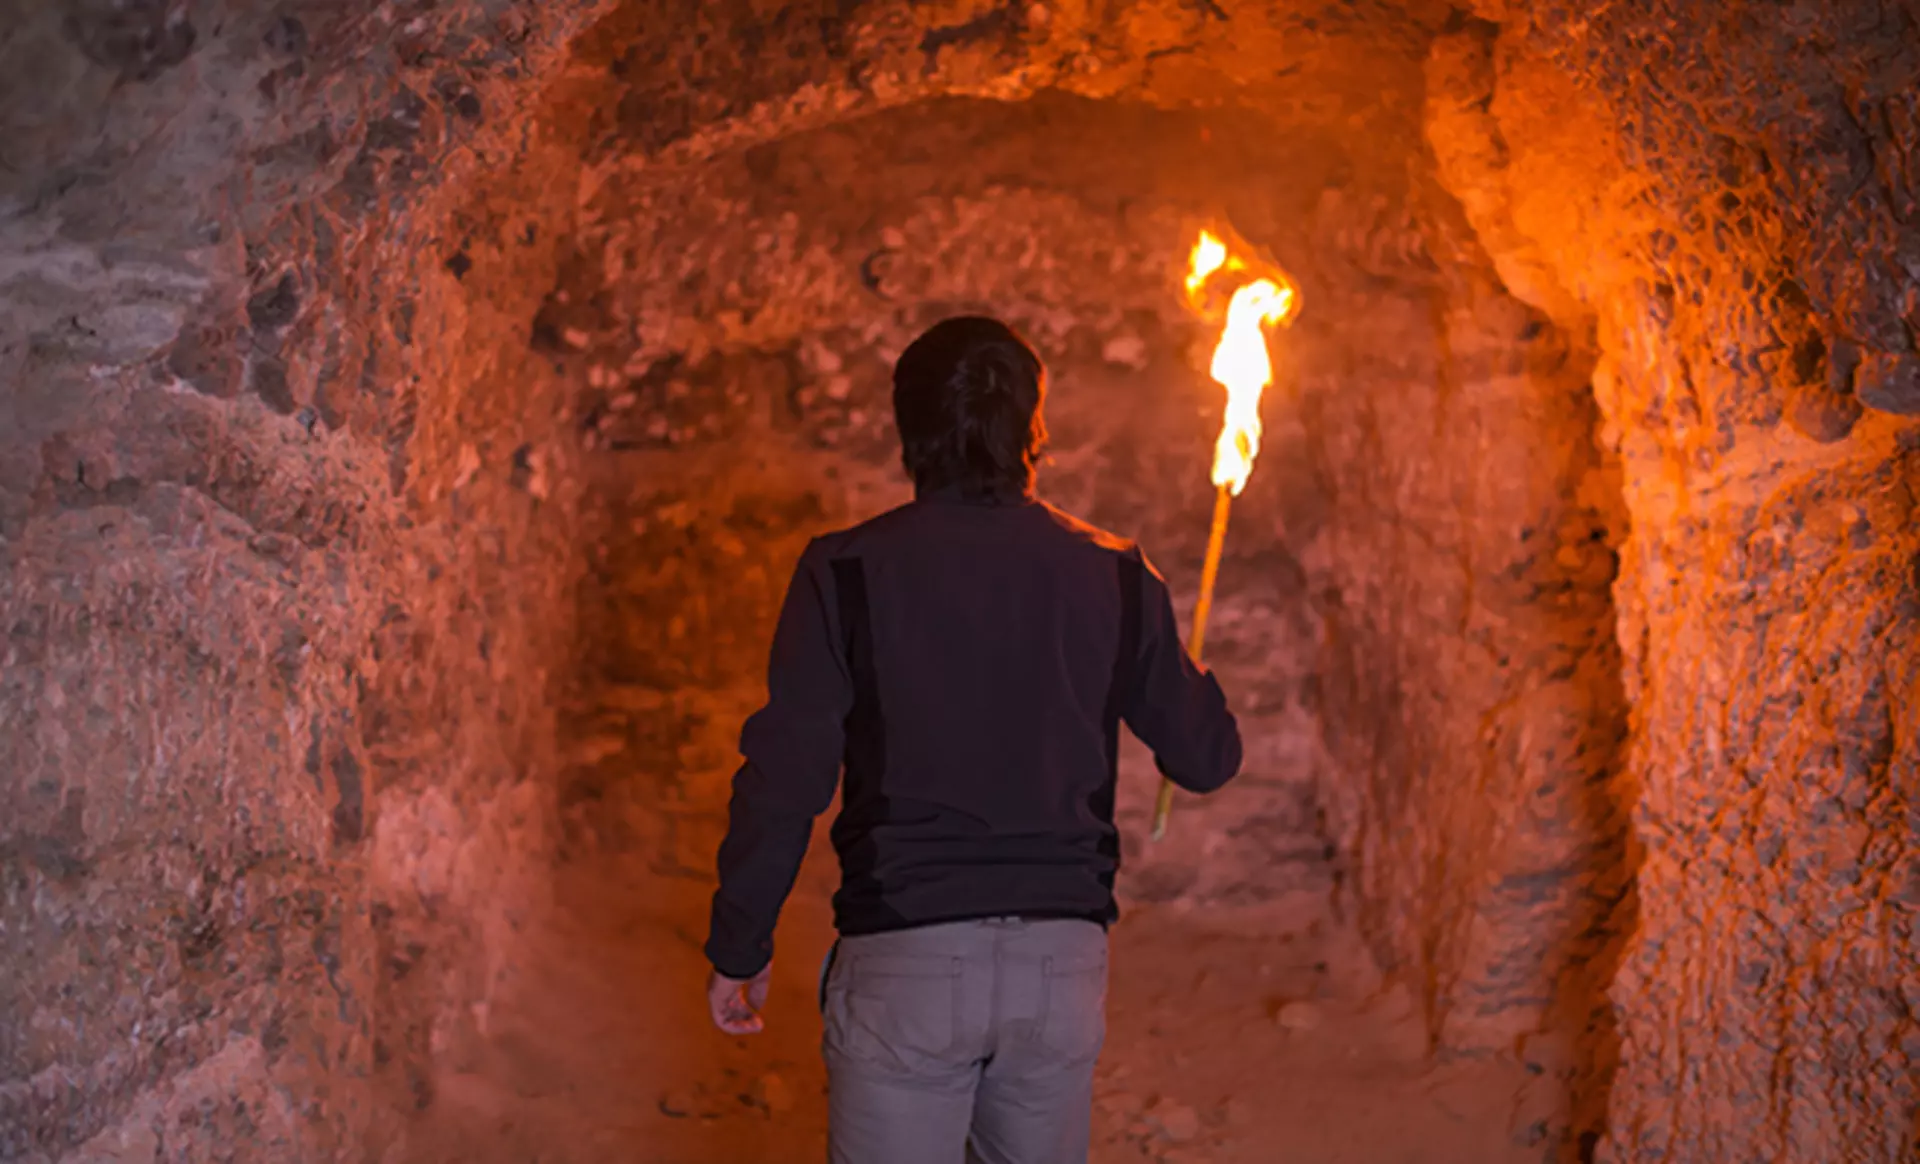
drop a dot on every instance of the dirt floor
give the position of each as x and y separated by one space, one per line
1224 1048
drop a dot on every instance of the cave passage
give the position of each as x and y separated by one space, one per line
411 413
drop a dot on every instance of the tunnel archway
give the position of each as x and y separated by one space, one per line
415 409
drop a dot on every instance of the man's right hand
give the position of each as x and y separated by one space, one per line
736 1003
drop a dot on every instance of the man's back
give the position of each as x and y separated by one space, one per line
1005 645
970 663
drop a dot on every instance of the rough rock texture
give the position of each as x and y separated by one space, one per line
1732 205
389 392
281 600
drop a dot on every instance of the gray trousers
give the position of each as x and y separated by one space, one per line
973 1041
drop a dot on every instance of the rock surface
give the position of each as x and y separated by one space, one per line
280 621
409 412
1737 221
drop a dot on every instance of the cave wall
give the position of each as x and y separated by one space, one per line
1725 196
283 562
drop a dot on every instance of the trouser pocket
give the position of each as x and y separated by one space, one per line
894 1012
1073 1019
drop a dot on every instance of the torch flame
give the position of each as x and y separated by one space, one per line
1209 255
1240 361
1241 365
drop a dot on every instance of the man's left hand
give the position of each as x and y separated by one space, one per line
736 1003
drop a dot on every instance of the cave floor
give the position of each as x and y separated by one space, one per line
1223 1049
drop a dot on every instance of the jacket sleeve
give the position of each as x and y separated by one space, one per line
792 750
1177 708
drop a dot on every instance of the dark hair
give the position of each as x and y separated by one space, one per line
966 398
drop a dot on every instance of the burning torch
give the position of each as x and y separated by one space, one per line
1241 366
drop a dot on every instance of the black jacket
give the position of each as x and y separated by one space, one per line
968 664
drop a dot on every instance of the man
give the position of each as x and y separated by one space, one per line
968 659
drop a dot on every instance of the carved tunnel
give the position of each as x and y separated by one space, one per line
409 413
